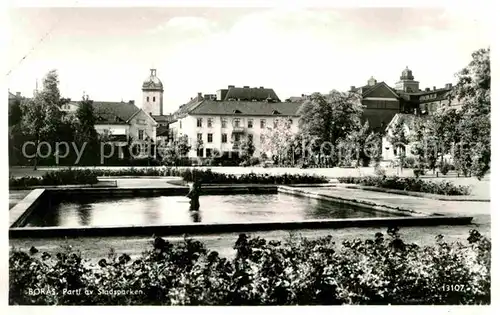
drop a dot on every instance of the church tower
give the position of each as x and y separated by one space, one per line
406 82
152 95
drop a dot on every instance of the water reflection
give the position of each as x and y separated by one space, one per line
195 216
84 214
175 210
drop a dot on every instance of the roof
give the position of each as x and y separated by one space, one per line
367 89
248 94
113 112
408 119
162 131
162 118
246 108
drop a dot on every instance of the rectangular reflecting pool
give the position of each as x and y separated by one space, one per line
171 210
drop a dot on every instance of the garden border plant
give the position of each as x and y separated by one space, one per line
408 184
87 176
298 271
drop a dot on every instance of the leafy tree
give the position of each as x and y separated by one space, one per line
326 120
399 140
351 146
42 114
473 92
85 131
276 139
419 146
182 145
247 149
15 112
346 115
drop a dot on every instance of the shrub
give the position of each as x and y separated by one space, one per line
207 176
380 171
418 172
409 162
54 178
445 167
409 184
298 271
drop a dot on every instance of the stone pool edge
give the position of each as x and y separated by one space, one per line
297 191
23 209
200 228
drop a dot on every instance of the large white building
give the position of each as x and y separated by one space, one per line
222 120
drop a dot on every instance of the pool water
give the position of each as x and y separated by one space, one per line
167 210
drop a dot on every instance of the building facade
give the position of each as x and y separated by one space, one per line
220 122
382 102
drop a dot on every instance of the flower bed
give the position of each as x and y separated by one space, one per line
382 270
409 184
54 178
79 176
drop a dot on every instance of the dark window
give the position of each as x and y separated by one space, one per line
208 152
199 152
250 123
141 135
262 138
199 136
236 122
262 123
147 98
224 122
250 138
209 122
236 137
224 138
209 138
199 122
154 98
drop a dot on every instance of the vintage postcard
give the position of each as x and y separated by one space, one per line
208 155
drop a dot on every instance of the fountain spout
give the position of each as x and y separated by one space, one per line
194 195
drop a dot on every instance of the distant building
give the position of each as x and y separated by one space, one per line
122 122
382 102
224 119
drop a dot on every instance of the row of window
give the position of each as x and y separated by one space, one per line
237 137
147 99
236 123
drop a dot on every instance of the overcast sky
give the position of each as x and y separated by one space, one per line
108 52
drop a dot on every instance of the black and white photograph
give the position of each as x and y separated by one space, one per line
208 155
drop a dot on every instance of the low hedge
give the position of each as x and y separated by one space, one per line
409 184
89 176
381 270
207 176
54 178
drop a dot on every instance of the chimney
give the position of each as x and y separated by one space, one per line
153 72
199 97
353 88
433 88
131 102
261 87
18 94
230 86
246 87
448 86
427 89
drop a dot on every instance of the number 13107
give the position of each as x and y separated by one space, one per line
454 288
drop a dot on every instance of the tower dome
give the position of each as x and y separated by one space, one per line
152 83
406 74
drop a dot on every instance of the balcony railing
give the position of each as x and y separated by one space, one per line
238 130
